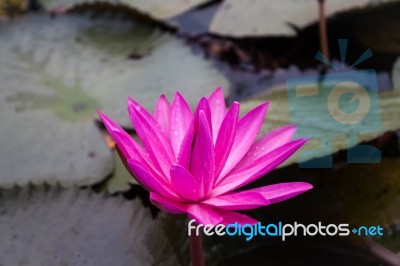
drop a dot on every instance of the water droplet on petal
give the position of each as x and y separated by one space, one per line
262 148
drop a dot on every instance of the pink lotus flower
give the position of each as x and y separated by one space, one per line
194 163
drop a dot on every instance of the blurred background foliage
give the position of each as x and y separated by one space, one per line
67 199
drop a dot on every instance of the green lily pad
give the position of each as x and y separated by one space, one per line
370 192
55 73
319 128
276 18
392 242
42 226
121 180
158 9
175 228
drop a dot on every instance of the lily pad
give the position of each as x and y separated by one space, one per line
392 242
370 193
325 135
175 229
55 73
121 180
158 9
276 18
42 226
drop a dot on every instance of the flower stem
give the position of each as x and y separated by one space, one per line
196 249
323 32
